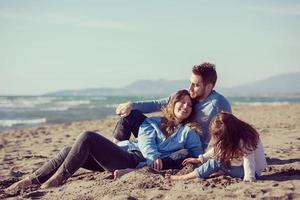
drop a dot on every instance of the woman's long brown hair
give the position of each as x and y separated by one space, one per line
168 122
231 137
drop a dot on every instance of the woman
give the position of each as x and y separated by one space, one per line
235 149
158 139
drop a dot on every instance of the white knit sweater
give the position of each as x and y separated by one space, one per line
253 162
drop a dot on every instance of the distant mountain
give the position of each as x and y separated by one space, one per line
280 84
140 87
156 86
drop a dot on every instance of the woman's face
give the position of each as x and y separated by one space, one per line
183 108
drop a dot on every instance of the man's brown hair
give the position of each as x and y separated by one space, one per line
207 71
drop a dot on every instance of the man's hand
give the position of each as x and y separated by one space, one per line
191 161
124 109
157 164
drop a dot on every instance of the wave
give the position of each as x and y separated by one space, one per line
65 105
25 102
73 103
39 103
111 105
54 109
99 98
13 122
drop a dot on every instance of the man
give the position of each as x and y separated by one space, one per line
209 103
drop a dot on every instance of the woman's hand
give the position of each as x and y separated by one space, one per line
191 161
249 179
157 164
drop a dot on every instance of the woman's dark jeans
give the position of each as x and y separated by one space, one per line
131 124
95 152
90 151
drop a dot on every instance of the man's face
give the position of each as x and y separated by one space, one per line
197 88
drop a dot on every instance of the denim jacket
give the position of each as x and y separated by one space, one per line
203 111
153 144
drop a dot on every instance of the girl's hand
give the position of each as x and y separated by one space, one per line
249 180
157 164
172 177
191 161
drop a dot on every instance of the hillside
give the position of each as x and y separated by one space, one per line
280 84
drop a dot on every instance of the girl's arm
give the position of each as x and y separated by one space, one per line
207 155
188 176
249 167
202 158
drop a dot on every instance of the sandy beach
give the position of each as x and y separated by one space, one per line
23 151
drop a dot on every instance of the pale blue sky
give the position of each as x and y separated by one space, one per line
49 45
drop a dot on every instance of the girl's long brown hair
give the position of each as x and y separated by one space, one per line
231 137
168 122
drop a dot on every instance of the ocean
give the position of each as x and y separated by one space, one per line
33 111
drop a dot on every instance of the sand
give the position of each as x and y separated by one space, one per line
23 151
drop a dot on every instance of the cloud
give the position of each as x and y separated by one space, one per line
283 9
76 21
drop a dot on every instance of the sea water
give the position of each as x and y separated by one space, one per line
34 111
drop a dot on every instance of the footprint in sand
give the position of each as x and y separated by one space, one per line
47 140
35 194
2 143
16 173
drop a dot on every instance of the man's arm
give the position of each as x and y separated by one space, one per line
148 106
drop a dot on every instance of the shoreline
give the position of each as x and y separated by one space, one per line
37 126
113 116
24 150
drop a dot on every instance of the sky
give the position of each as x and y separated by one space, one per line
51 45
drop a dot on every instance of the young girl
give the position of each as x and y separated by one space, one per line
234 149
159 138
